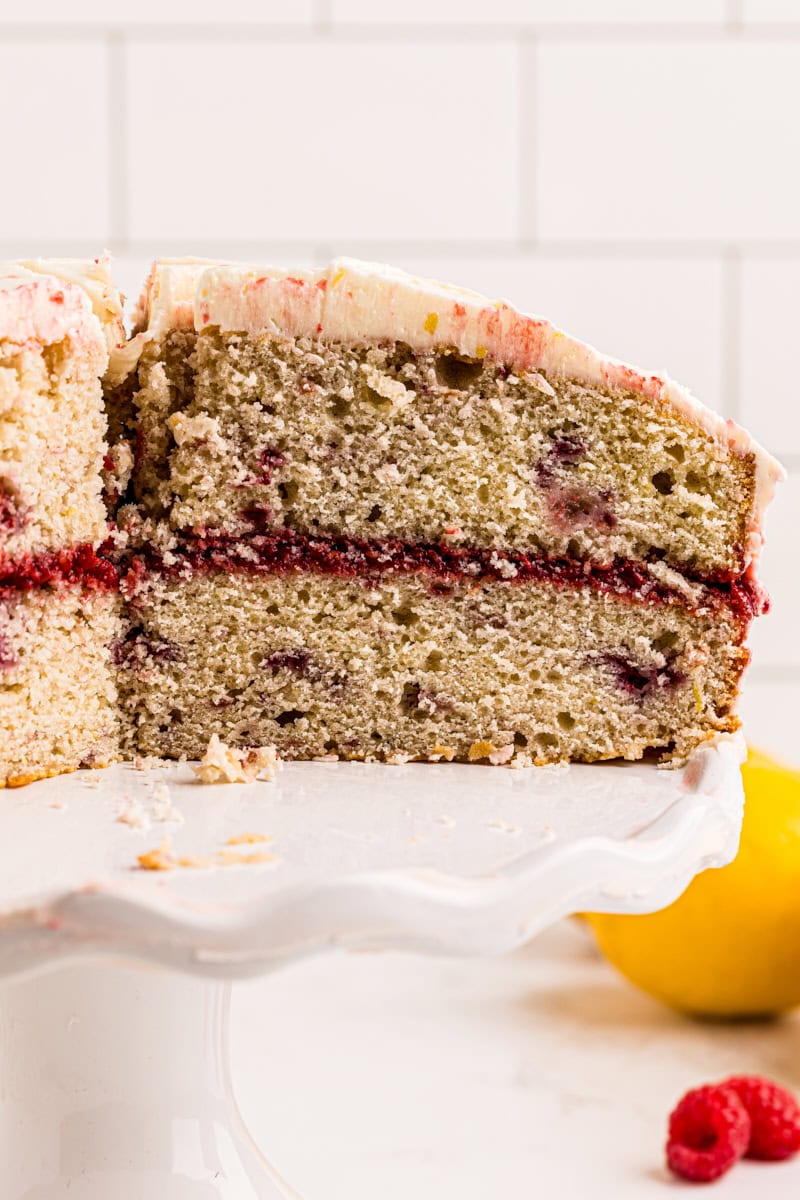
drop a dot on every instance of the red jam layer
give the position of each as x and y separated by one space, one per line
80 566
285 551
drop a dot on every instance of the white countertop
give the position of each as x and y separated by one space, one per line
541 1074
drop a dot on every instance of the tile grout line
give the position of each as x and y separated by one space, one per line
116 68
322 16
216 33
734 16
479 248
611 249
731 340
527 141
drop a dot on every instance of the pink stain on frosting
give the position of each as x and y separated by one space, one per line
42 309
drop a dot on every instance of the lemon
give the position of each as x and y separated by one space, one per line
730 945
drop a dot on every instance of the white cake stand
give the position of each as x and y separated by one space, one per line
114 1072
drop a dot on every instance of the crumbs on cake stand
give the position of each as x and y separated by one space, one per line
165 858
227 764
157 805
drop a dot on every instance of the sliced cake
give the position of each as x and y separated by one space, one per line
372 516
58 605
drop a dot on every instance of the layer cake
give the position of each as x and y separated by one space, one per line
371 516
355 514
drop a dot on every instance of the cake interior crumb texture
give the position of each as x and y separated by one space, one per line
52 441
58 698
380 441
364 547
413 666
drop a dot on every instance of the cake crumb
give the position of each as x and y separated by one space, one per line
135 815
147 762
162 808
399 759
161 859
235 858
225 764
503 827
480 750
248 839
164 858
501 755
442 752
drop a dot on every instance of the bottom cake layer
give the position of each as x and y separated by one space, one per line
410 666
57 696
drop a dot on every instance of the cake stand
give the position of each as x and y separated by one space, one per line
114 1073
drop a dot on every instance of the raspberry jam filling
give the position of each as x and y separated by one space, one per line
285 551
80 565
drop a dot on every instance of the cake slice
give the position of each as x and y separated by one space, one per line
377 517
59 322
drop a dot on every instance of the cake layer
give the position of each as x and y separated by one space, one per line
53 352
57 696
418 664
385 442
360 400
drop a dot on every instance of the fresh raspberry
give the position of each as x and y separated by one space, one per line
709 1131
774 1116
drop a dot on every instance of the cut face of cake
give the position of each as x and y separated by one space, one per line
58 603
376 517
354 514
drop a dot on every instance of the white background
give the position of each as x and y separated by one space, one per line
630 169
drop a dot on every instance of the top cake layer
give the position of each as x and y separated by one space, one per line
508 431
60 320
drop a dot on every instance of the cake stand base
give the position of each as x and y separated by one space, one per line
116 1086
115 1081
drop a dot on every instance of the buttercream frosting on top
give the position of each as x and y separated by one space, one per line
43 308
93 275
168 297
362 302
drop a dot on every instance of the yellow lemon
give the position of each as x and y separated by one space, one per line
730 945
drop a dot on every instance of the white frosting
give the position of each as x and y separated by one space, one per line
166 302
93 275
167 299
40 304
363 302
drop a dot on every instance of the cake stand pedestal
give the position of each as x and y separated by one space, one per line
114 1070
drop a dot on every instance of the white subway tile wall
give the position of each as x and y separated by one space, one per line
183 14
668 140
531 13
629 168
291 124
56 131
